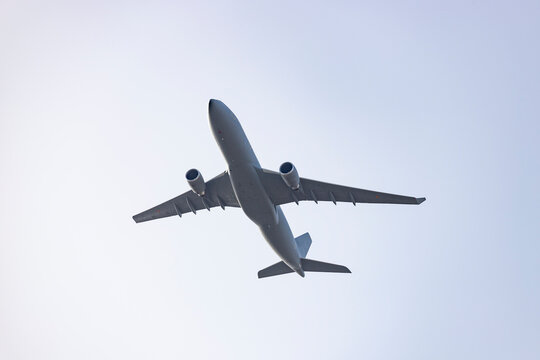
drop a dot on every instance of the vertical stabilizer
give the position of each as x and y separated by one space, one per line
303 243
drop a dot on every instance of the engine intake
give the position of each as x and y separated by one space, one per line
196 181
290 175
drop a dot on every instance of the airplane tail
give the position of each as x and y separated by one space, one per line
281 268
303 243
319 266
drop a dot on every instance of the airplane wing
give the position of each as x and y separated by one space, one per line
219 192
317 191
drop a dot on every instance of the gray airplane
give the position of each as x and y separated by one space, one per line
260 192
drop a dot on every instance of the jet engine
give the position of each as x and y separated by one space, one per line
196 181
290 175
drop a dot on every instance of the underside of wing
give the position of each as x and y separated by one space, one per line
219 192
314 190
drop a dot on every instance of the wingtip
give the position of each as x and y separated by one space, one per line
136 218
420 200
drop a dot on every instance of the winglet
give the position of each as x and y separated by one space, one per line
420 200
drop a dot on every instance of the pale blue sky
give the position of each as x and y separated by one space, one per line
103 107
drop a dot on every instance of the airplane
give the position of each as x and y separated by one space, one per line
260 192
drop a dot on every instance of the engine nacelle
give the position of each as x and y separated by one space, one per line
196 181
290 175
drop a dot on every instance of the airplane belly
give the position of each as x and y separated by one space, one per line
279 236
259 208
252 196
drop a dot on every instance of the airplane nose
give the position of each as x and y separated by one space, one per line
217 110
220 115
215 113
211 109
214 106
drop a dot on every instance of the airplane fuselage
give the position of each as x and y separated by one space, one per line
244 170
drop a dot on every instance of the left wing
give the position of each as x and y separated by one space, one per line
219 192
317 191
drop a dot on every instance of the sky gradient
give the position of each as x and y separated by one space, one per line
103 108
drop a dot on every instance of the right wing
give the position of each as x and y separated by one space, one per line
317 191
219 192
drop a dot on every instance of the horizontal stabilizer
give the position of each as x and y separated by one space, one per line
319 266
279 268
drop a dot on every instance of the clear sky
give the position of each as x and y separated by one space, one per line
103 107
